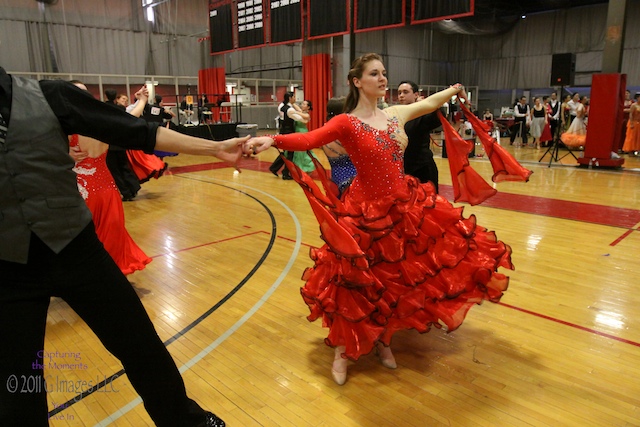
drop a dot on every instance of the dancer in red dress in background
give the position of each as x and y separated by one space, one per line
397 255
99 191
146 166
547 135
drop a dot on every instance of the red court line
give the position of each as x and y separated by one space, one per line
573 325
542 316
249 163
301 243
209 243
621 238
576 211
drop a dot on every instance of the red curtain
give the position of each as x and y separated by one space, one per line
212 82
316 82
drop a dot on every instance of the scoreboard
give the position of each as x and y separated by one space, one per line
378 14
220 26
251 27
327 18
243 24
285 21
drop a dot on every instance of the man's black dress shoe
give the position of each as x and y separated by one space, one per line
211 420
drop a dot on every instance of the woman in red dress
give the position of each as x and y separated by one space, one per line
146 166
546 136
397 255
99 191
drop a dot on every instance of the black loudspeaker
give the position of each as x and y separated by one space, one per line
563 69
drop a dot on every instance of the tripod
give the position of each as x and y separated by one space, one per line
555 143
554 148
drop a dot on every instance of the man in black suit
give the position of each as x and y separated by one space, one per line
418 157
118 162
48 247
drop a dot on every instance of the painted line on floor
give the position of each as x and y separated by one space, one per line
536 205
296 249
572 325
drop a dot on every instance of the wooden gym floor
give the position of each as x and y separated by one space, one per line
561 349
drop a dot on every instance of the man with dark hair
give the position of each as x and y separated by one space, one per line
49 247
111 95
287 125
418 157
520 113
118 162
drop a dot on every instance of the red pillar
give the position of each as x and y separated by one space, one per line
605 120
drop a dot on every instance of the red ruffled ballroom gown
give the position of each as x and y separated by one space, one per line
397 255
146 166
99 191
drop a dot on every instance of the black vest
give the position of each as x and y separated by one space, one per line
287 124
38 188
522 109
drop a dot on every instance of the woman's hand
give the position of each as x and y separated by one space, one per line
462 93
461 90
77 154
143 93
257 144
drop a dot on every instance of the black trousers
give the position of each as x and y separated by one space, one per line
84 275
126 180
278 164
519 127
426 173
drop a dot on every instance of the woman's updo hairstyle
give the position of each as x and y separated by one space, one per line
356 71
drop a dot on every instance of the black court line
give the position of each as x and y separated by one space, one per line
113 377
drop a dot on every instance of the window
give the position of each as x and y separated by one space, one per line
147 5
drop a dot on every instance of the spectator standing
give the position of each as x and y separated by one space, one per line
521 112
554 115
632 138
539 120
573 107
